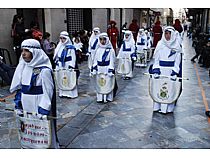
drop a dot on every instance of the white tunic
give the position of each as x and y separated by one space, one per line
166 64
35 96
126 50
141 42
67 64
97 66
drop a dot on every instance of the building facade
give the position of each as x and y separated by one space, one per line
72 19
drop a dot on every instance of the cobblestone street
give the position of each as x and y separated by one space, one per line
128 121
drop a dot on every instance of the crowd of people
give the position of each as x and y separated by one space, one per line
37 57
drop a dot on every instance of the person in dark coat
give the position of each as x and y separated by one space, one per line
177 25
113 33
134 27
157 31
18 31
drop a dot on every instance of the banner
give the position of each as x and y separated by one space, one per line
34 133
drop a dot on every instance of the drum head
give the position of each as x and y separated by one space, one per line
164 90
104 83
65 79
124 66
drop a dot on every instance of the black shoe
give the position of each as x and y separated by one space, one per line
99 101
193 61
127 78
207 113
156 110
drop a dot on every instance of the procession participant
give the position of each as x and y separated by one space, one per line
127 52
141 49
149 39
93 43
78 46
149 45
167 57
113 33
141 42
65 58
104 64
34 84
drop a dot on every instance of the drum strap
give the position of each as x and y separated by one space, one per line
94 45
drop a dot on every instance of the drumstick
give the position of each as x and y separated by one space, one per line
30 113
167 76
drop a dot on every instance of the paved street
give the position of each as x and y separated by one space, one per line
128 121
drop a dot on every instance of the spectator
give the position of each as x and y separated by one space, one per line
157 32
113 33
18 31
48 47
134 27
6 72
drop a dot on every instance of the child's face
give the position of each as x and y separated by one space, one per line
208 44
27 56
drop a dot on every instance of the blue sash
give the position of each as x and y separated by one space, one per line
32 89
124 47
94 45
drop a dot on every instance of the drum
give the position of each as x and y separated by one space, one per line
124 66
66 79
141 58
164 90
104 83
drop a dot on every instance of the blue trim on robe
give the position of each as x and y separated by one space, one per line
133 55
124 47
34 90
43 111
166 63
142 42
94 68
106 52
69 58
103 63
95 44
174 73
17 100
172 53
156 71
63 57
111 70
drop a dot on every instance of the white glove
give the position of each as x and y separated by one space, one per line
110 74
94 72
134 58
19 112
90 74
156 76
174 77
87 54
40 116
